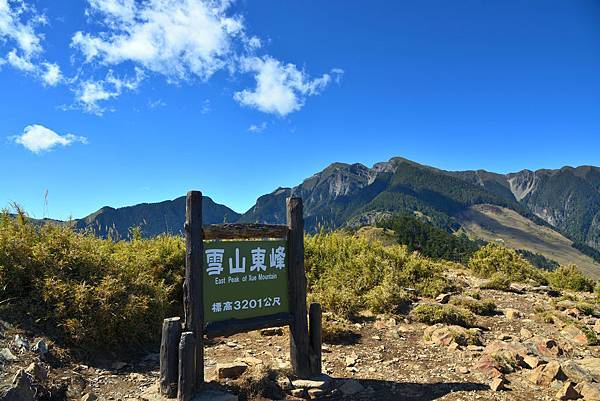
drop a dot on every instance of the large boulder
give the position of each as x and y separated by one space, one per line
544 375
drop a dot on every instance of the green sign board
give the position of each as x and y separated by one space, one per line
244 279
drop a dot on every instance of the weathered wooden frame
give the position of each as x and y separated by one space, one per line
305 346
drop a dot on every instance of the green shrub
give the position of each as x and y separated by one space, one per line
493 259
347 274
570 278
88 291
446 314
338 331
485 307
498 282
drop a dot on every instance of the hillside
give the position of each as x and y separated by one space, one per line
497 224
152 218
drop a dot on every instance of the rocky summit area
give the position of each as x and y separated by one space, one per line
527 343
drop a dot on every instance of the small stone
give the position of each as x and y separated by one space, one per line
38 371
284 383
443 298
21 342
525 334
320 381
351 360
512 314
6 355
546 374
272 331
315 393
453 346
531 362
89 397
567 392
21 389
463 370
351 387
40 347
376 338
498 384
231 370
298 392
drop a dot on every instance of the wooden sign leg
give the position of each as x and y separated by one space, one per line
169 359
186 387
299 344
192 290
315 335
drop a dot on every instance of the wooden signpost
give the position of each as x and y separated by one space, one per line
238 278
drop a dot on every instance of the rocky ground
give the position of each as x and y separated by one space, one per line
535 347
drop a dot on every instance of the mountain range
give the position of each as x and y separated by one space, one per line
566 200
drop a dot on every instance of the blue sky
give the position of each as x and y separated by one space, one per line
117 102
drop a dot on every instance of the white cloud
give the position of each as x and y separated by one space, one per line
337 73
205 107
177 38
91 92
52 76
18 23
280 88
38 138
258 128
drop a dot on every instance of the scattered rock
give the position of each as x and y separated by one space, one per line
575 372
351 387
574 334
498 384
231 370
545 374
316 393
443 298
351 360
272 331
512 313
38 371
531 362
546 347
567 392
592 365
321 382
21 389
40 347
21 343
525 334
589 391
89 397
299 392
7 356
284 383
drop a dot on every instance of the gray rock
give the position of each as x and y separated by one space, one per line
89 397
40 347
7 356
351 387
38 371
21 389
21 342
321 382
576 372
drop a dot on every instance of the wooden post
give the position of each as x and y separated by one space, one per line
169 359
186 385
299 345
192 290
315 335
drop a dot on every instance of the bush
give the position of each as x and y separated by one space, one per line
570 278
88 291
493 259
338 331
347 274
498 282
446 314
484 307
